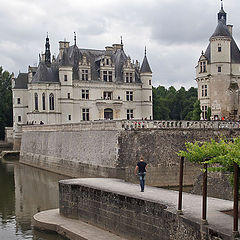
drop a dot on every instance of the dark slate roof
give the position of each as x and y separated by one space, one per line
21 81
72 56
222 31
46 74
145 68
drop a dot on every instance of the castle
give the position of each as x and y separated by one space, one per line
218 73
82 85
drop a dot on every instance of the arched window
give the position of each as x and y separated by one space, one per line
43 102
36 101
51 101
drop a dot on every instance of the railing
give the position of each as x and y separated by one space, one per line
132 125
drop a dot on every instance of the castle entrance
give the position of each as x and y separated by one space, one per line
108 113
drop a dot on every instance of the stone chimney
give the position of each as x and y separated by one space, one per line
62 46
230 27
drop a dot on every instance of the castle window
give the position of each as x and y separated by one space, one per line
150 82
219 69
204 90
150 98
219 49
129 114
18 100
85 75
129 77
107 76
203 67
51 101
85 114
65 78
68 96
19 118
107 61
69 117
43 102
129 95
204 112
85 94
107 95
36 101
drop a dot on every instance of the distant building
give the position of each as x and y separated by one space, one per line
218 73
81 85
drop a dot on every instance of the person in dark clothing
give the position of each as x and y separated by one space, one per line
141 168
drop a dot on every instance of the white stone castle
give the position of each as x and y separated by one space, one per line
82 85
218 73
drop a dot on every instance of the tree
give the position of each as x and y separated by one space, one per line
5 101
196 111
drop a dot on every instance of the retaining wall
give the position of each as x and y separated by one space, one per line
109 149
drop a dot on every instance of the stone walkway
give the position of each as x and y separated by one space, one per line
70 228
217 220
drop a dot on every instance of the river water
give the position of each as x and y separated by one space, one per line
25 191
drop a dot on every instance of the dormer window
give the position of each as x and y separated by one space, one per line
107 61
129 77
203 67
85 74
107 76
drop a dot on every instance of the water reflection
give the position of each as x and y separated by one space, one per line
25 191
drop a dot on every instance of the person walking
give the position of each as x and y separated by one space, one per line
141 169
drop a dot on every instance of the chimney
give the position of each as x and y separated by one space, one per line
62 46
230 27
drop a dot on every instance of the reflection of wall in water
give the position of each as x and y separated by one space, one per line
35 190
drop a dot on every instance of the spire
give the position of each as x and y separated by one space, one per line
145 68
47 52
121 43
75 39
222 15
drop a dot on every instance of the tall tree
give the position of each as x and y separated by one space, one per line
5 101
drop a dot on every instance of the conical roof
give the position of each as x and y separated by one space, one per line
145 68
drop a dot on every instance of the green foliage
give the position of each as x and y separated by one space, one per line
5 101
219 155
209 113
170 104
196 111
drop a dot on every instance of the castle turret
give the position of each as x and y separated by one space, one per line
47 52
146 79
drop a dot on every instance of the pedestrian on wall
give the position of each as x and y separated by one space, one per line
140 170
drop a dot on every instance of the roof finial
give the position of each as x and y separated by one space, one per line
145 52
47 34
121 40
222 4
75 39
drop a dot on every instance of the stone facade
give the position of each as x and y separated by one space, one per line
218 73
82 85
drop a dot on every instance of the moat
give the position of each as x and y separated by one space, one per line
25 191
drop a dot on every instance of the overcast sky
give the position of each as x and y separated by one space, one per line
175 32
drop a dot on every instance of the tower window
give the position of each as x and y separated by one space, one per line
204 90
69 117
203 67
43 102
150 82
65 78
36 101
150 98
129 114
18 100
51 101
19 118
219 69
204 112
219 49
68 95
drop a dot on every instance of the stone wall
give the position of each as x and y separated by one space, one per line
109 150
125 213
